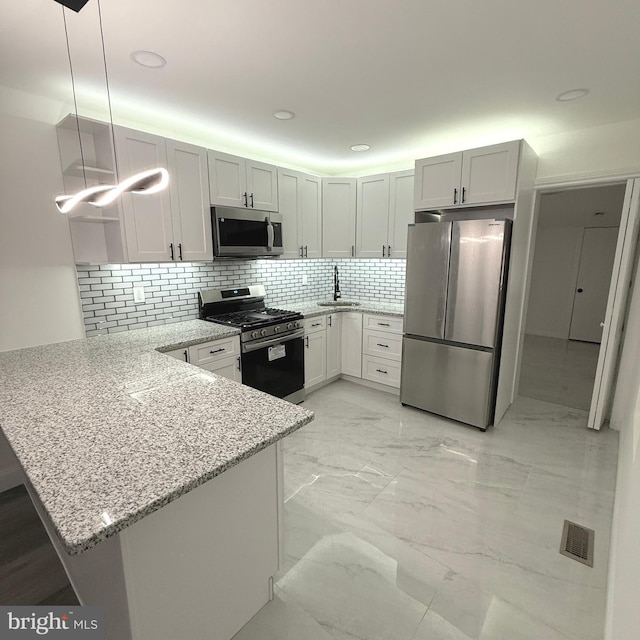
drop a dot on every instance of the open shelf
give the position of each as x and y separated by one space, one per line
78 170
96 218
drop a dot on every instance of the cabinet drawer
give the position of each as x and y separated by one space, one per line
201 354
311 325
381 370
392 324
382 344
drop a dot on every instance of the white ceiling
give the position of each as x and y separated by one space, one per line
411 78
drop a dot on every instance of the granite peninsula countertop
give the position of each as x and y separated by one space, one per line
312 309
109 429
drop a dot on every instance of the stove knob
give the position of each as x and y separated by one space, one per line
276 330
263 332
289 325
296 324
254 334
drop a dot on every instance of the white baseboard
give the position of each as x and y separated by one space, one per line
372 385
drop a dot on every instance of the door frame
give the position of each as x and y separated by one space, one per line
616 303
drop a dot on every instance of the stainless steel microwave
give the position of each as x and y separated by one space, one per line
246 233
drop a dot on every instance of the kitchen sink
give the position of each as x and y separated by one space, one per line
339 303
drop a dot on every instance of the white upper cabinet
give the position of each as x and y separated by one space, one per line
147 218
189 192
237 182
489 174
227 180
262 186
437 181
477 176
338 217
311 216
401 213
289 191
385 208
372 217
300 200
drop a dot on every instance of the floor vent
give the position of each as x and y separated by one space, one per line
577 543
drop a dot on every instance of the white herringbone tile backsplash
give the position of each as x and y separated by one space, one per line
171 289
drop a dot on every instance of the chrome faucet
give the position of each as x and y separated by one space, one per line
336 284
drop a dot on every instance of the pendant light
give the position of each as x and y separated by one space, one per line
145 182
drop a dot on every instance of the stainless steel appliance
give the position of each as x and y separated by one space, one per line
246 233
271 342
455 288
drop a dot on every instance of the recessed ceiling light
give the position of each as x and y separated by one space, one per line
148 59
360 147
284 115
572 94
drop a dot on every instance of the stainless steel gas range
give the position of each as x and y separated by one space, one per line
272 340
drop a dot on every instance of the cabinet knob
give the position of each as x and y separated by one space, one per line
580 290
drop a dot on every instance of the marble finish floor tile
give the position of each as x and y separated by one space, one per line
558 371
400 524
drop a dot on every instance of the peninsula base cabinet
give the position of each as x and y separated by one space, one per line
186 556
218 356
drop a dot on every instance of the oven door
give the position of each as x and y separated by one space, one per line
276 366
246 232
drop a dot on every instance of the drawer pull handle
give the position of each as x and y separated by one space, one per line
317 324
379 344
239 365
383 324
381 371
217 350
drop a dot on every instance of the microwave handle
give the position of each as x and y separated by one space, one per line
270 234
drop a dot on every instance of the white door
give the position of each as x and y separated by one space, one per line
401 212
147 218
489 174
352 344
289 187
227 180
334 339
372 216
311 215
189 192
338 217
315 358
592 287
262 186
616 305
437 181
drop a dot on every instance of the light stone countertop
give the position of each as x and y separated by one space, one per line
108 429
312 309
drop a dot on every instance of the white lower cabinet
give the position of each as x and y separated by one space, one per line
382 349
352 344
334 345
315 351
381 370
218 356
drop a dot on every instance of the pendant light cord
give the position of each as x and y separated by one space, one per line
106 80
75 102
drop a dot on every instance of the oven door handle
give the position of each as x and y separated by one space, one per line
254 346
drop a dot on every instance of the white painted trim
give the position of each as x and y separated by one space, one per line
590 179
616 304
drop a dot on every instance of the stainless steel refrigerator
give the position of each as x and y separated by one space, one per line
455 289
